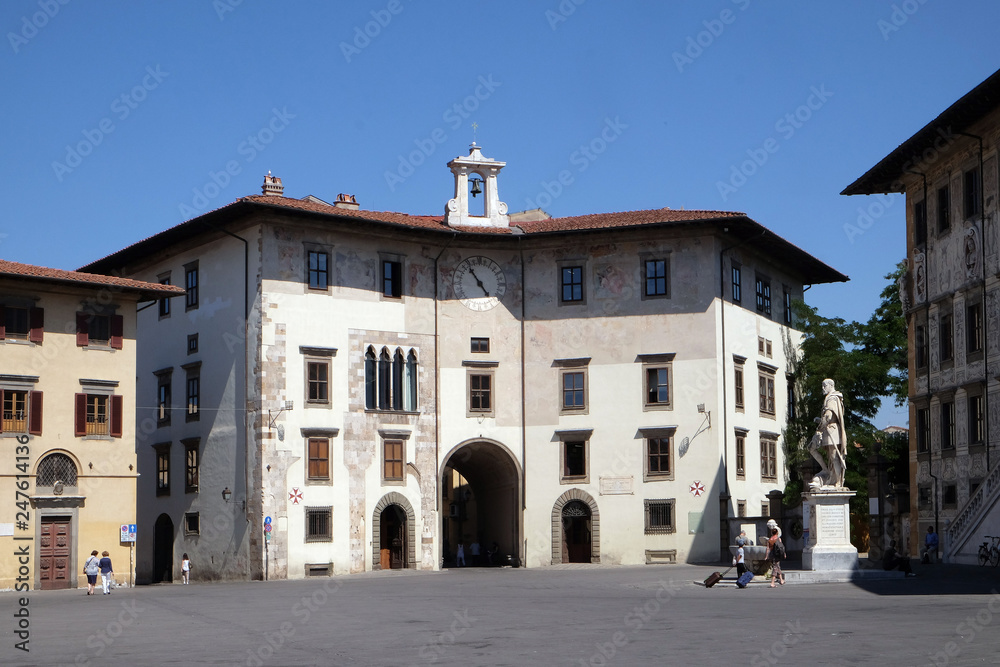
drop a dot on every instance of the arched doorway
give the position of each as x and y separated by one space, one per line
576 529
163 549
481 491
393 533
576 532
392 541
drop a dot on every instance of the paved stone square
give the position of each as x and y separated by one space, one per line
577 615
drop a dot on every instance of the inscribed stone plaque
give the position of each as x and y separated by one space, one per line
696 523
832 521
613 486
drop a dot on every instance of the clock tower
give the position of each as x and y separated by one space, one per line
474 164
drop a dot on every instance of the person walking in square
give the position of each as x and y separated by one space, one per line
775 552
460 555
92 568
107 573
930 546
185 569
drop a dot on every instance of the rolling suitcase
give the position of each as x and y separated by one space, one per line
744 579
714 578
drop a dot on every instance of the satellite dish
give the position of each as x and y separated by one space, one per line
683 449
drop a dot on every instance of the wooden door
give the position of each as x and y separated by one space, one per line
54 552
576 533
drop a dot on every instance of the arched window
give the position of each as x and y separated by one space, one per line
397 380
384 373
410 383
56 468
370 383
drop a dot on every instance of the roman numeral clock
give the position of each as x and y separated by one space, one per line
479 283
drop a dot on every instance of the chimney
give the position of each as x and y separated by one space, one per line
346 201
272 185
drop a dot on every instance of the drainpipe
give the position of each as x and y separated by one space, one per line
524 427
437 392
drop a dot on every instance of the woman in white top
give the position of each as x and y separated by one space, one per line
186 568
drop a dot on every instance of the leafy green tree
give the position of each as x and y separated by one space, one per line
868 362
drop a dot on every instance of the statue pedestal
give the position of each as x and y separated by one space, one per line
828 520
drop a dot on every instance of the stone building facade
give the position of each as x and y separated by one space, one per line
67 390
948 171
378 388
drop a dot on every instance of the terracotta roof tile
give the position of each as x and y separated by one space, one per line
624 219
10 269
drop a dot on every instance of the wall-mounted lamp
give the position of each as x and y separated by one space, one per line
227 494
271 415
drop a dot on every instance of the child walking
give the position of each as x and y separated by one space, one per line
185 569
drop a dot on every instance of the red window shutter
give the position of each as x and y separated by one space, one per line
117 331
35 413
116 416
3 324
82 331
80 418
37 319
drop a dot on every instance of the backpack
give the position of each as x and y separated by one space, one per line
778 553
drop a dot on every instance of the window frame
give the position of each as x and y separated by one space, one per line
322 385
325 513
657 292
572 265
649 507
163 307
192 286
390 285
393 437
741 453
923 429
192 469
736 282
762 290
765 391
192 391
944 209
768 458
321 274
656 363
947 423
972 190
164 400
391 378
946 337
313 475
661 434
192 343
479 345
188 518
922 345
573 369
477 374
977 420
974 327
161 458
739 383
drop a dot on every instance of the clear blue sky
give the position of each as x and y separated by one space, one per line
117 114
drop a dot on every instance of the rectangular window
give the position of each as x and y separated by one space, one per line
392 279
22 411
574 459
949 496
99 330
923 430
925 499
737 283
765 382
191 286
920 341
973 192
763 286
480 399
765 508
658 386
481 345
15 322
947 338
98 415
571 286
974 328
788 307
192 345
318 276
943 209
319 459
768 458
659 516
193 397
658 463
98 421
948 425
573 391
319 522
192 523
392 460
162 469
738 386
741 455
164 303
192 465
920 219
976 422
318 382
656 277
163 399
741 508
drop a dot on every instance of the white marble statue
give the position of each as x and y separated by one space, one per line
829 444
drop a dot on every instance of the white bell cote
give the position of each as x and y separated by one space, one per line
474 164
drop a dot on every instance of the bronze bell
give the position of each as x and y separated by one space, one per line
475 186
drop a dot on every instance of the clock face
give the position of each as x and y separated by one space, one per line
479 283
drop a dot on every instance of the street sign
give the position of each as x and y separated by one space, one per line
128 532
267 521
267 528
